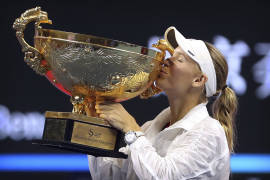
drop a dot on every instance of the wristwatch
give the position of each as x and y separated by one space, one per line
132 136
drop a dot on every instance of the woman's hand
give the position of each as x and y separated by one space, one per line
117 116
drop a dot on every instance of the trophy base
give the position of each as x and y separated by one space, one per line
80 133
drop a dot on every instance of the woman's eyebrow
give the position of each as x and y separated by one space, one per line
179 54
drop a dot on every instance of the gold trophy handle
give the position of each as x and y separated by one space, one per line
163 46
32 56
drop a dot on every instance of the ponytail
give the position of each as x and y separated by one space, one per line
224 109
225 106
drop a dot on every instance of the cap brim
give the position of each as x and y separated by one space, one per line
175 39
170 37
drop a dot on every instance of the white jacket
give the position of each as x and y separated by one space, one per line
194 147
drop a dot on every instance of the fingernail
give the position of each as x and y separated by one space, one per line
102 116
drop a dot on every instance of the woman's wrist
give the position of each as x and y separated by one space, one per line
133 128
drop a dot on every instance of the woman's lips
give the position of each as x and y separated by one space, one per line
163 73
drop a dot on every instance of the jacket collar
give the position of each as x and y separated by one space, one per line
193 117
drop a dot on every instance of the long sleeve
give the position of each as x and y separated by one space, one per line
103 168
192 156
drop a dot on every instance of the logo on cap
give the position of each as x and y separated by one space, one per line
190 53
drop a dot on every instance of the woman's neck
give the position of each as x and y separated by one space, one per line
180 106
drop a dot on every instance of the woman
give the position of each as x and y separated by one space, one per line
183 141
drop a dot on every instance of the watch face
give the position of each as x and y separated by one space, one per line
130 137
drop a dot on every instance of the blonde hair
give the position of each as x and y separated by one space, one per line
225 106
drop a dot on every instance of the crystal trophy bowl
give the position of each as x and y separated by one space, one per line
90 70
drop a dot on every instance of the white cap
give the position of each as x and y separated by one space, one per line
196 50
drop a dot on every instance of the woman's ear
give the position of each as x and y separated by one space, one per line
199 81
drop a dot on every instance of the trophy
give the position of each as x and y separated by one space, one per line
90 70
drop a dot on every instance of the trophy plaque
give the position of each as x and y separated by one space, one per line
90 70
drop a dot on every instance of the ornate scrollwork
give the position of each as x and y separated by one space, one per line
32 56
163 46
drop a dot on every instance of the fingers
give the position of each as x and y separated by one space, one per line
105 110
103 116
111 112
110 119
106 106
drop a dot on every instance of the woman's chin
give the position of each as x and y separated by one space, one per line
160 82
